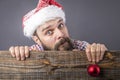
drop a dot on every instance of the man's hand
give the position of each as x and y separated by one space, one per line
20 52
95 52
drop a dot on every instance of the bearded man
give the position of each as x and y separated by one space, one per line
46 26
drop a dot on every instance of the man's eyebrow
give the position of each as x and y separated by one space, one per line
46 28
50 25
59 20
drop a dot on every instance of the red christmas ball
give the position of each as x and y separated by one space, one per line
93 70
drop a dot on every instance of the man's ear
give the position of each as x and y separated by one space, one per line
36 40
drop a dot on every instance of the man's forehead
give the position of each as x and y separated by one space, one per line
51 22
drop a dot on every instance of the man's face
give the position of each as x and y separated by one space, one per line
54 35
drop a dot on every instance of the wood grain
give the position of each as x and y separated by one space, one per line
57 65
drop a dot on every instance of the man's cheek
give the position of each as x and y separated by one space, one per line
51 42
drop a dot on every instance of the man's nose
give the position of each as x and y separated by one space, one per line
59 34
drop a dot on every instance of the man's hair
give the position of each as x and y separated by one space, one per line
35 33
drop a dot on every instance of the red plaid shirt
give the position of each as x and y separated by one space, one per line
77 44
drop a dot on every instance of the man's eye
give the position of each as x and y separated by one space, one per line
61 25
49 32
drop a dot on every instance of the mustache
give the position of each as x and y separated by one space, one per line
62 41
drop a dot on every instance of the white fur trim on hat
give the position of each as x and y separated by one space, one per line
40 17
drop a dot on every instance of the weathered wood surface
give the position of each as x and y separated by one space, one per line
57 65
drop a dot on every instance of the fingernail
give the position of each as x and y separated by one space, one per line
97 60
27 56
18 59
93 61
22 58
101 58
89 59
13 55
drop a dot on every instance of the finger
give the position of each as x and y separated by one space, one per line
27 51
17 53
12 51
103 49
98 53
75 50
35 48
88 52
22 53
93 51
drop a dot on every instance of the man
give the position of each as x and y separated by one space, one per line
46 26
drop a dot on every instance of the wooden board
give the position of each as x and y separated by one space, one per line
57 65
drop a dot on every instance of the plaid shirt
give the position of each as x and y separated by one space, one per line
77 44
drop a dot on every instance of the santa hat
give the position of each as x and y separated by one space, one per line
45 11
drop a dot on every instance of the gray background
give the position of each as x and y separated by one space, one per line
89 20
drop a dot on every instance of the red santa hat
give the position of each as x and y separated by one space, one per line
45 11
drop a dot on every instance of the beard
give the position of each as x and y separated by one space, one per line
64 44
